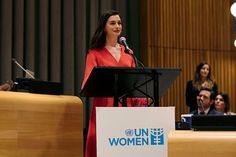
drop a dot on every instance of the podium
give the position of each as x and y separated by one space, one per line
36 125
122 82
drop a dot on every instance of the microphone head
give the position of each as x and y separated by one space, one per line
122 39
13 59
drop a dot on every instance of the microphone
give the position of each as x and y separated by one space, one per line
26 71
122 40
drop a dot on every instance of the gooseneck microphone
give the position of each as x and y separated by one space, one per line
26 71
122 40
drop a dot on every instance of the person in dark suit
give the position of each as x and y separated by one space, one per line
203 79
205 100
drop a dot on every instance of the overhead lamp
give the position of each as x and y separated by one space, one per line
233 9
235 43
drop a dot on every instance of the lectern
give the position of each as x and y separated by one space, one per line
120 82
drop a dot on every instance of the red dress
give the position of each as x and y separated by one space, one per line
102 57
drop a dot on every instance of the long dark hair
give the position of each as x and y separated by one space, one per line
99 37
197 78
225 97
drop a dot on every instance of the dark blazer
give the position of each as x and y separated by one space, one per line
192 93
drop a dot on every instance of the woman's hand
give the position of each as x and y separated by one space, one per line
7 85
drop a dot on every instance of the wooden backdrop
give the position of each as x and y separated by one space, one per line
182 33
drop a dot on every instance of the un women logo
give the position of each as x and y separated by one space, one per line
157 136
129 132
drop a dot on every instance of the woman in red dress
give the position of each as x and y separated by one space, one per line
106 51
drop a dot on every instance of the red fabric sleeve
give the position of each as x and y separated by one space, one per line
90 64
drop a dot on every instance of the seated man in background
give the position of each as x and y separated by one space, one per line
205 99
7 86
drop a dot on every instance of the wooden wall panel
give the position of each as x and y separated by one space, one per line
182 33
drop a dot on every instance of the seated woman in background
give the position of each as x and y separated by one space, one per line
222 103
203 79
6 86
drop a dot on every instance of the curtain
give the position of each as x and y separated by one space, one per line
50 37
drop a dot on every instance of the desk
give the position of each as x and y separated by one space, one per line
40 125
202 144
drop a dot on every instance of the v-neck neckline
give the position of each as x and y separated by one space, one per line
117 61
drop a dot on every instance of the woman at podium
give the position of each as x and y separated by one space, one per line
106 51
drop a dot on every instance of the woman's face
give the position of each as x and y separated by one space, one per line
204 71
219 103
113 26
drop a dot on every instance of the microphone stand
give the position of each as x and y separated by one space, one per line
26 71
136 61
137 64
